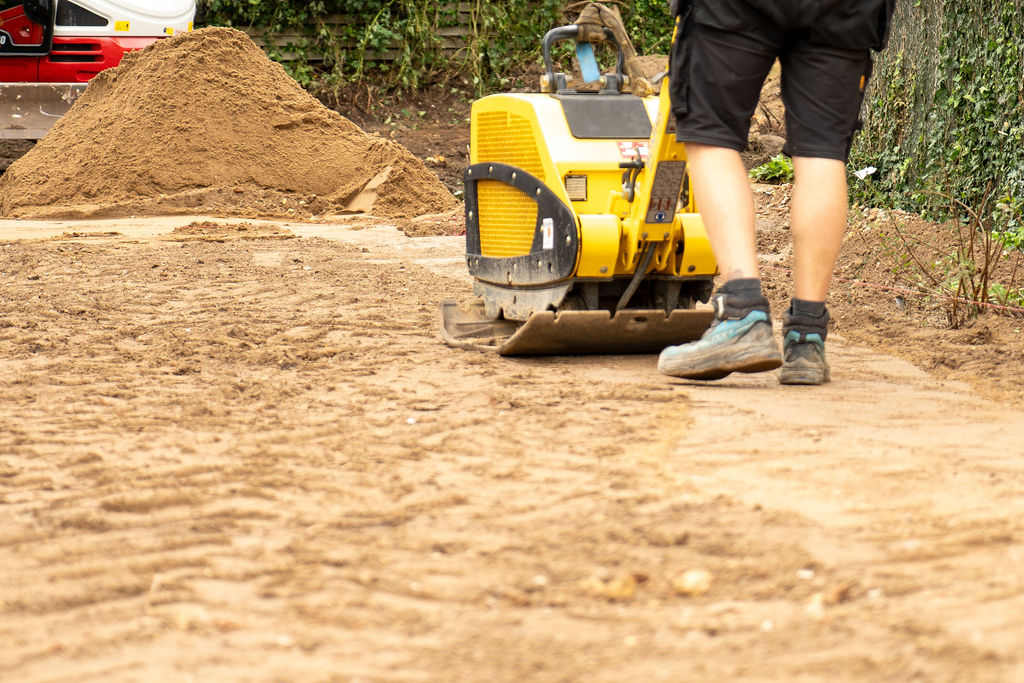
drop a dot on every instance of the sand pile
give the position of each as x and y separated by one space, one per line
204 122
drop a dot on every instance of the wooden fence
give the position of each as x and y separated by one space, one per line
451 38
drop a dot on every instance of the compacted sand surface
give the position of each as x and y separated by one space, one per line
239 451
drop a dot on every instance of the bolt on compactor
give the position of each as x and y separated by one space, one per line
49 49
582 235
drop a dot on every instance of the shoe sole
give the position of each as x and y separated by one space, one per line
805 376
719 370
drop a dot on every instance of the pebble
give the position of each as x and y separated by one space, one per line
693 582
840 593
621 588
816 607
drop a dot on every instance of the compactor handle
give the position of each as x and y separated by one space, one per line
550 81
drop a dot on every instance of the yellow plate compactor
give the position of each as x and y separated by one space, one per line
582 235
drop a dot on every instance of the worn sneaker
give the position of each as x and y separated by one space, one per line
804 359
745 345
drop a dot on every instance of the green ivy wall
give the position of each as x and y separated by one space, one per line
944 116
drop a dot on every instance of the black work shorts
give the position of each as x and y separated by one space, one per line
725 48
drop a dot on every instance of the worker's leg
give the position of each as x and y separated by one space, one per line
722 190
740 339
716 77
817 222
822 88
717 73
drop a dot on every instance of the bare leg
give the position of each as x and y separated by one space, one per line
740 339
818 223
726 204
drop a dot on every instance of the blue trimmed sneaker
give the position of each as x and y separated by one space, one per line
728 346
804 359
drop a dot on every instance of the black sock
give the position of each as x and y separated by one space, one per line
802 307
806 317
738 297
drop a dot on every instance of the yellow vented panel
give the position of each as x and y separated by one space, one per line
508 219
508 139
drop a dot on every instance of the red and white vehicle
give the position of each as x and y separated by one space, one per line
49 49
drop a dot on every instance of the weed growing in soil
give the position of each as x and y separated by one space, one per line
777 170
969 265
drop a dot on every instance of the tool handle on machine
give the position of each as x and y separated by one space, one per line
562 33
634 167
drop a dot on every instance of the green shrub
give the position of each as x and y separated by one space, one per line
503 37
777 170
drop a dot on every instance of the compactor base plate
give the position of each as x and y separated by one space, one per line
467 325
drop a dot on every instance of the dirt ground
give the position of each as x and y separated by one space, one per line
12 150
238 450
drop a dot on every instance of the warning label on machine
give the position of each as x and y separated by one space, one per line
668 182
629 150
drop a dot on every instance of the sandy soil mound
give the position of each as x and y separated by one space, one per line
205 122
